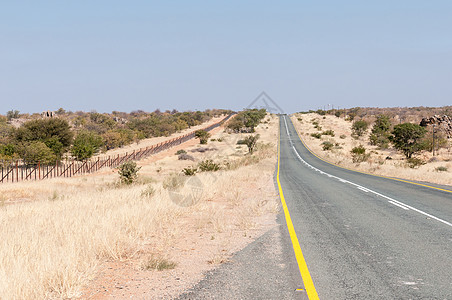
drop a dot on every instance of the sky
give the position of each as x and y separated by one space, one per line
193 55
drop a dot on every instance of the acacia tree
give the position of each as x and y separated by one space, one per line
407 137
202 135
55 133
251 142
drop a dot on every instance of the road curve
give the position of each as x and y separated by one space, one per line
366 237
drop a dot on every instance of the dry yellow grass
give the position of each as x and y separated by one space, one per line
53 243
377 163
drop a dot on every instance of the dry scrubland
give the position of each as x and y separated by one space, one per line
58 234
377 162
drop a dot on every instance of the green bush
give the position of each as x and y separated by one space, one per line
247 120
441 169
328 132
342 136
181 151
208 165
359 154
359 128
128 172
250 142
86 144
189 171
36 152
381 132
202 135
414 162
55 133
327 146
407 137
316 135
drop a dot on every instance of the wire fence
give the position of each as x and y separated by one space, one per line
15 171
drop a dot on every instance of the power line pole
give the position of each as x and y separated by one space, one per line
433 137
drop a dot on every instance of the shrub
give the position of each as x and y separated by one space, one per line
208 165
241 142
441 169
316 135
342 136
359 128
128 172
359 154
86 144
247 120
328 132
380 132
189 171
407 137
327 145
55 133
250 142
220 139
185 156
12 114
213 140
202 135
36 151
414 162
158 264
181 151
7 150
148 192
173 182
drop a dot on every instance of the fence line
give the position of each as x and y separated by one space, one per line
17 170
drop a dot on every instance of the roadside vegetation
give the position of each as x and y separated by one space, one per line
57 236
392 142
81 135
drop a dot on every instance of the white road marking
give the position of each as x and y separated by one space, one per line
390 200
401 206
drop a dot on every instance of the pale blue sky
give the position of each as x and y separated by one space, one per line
129 55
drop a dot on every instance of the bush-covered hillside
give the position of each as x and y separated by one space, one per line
49 136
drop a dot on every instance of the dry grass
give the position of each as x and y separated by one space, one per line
377 162
53 243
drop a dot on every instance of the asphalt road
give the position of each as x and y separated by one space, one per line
361 236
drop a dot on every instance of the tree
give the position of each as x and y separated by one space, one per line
86 144
12 114
381 132
247 120
251 142
407 137
36 152
55 133
359 128
202 135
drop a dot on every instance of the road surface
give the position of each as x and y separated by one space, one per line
358 237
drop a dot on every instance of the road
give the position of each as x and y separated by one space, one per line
366 237
354 235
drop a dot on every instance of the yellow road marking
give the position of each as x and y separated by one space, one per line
307 280
362 172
